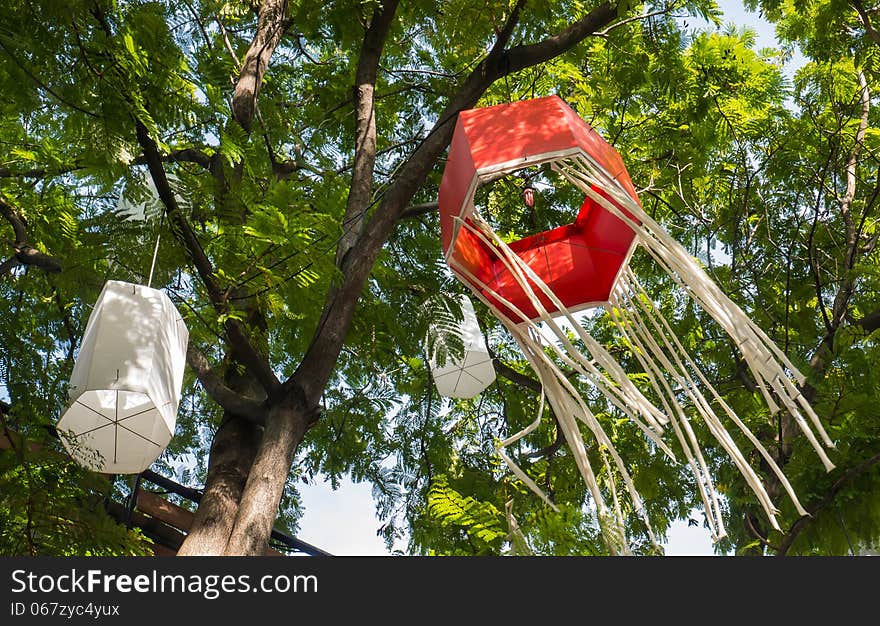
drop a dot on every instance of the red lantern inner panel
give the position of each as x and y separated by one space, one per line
579 262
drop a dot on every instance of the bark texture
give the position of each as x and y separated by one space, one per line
270 27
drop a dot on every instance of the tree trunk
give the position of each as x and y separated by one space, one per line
232 455
286 425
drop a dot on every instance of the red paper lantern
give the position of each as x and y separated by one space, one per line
529 196
581 261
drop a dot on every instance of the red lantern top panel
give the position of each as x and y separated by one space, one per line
508 137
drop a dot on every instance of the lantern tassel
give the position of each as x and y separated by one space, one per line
562 395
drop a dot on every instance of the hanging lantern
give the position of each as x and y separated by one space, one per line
473 372
547 277
529 196
126 381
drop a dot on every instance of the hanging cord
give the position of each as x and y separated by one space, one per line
156 249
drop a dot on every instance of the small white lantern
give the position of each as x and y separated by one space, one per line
126 381
468 376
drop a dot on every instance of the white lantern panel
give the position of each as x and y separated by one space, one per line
473 372
126 381
122 428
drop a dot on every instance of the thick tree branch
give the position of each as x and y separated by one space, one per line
865 19
871 321
185 155
417 210
505 371
270 26
853 160
502 37
37 172
753 527
845 291
317 365
824 352
546 451
235 332
233 402
8 265
365 126
811 249
525 56
18 226
25 254
203 266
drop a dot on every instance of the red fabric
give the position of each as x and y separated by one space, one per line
578 261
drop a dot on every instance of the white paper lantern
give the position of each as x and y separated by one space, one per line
468 376
126 382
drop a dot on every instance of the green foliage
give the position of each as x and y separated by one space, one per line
482 523
49 506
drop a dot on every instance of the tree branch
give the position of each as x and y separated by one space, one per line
844 293
238 339
11 215
871 321
757 534
24 253
317 365
8 265
865 19
853 160
37 172
547 451
417 210
365 127
811 251
505 371
184 155
270 26
798 527
233 402
525 56
824 352
636 18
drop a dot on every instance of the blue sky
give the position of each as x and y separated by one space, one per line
344 522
